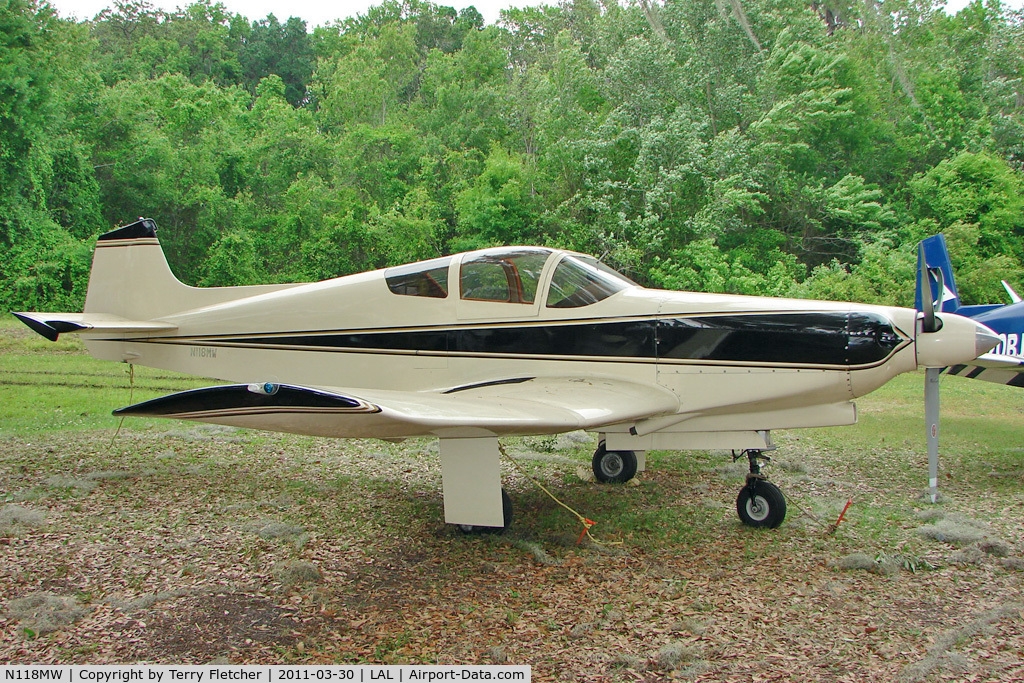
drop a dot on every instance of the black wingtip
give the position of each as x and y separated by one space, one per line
144 227
51 329
232 400
38 326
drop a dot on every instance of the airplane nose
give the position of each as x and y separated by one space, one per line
958 340
985 340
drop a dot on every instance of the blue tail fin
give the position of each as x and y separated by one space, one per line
937 260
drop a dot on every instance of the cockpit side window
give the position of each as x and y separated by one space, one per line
579 282
510 277
427 278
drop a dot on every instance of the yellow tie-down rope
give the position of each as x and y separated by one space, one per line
131 400
587 523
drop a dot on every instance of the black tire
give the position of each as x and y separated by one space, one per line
614 467
506 514
761 505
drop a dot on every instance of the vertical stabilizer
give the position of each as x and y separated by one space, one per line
130 276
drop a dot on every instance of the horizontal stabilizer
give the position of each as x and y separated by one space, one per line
52 325
1000 361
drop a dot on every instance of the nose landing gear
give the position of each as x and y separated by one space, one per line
614 467
760 503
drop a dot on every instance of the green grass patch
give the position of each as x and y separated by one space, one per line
54 386
980 432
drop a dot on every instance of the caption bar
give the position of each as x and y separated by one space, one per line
146 673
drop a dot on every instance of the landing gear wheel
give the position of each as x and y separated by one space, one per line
614 467
506 514
761 504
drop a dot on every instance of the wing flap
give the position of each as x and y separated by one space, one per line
52 325
594 402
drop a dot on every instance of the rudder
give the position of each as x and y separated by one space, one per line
133 290
130 278
936 257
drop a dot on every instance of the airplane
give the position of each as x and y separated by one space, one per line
1005 364
504 341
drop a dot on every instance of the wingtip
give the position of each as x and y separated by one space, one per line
51 329
38 326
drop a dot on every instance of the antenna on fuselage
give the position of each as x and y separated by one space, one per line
1014 297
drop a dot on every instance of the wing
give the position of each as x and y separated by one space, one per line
992 367
505 407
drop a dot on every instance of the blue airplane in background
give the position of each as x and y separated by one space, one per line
1005 363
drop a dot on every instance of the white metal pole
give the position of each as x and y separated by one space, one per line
931 418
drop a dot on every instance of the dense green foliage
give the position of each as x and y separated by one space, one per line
777 147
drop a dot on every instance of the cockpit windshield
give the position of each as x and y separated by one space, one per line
512 275
581 280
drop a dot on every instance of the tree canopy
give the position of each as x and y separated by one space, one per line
778 147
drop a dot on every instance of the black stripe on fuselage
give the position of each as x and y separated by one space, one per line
833 339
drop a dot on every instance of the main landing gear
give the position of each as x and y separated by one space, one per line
506 513
760 503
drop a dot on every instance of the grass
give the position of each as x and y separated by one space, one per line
980 434
55 386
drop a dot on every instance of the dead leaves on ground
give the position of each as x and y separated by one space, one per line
174 560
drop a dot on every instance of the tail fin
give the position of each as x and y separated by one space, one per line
130 277
132 288
937 259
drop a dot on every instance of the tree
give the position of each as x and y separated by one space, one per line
26 32
978 201
498 206
367 84
765 146
464 98
284 50
161 157
48 193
